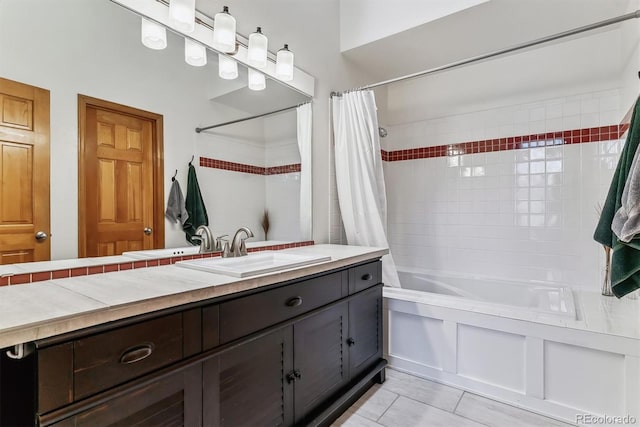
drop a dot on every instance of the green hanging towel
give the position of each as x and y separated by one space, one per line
195 206
625 261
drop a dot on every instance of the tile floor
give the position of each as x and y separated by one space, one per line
407 401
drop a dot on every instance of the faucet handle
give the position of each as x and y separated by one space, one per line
243 247
226 250
218 245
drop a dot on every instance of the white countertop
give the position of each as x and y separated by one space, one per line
44 309
62 264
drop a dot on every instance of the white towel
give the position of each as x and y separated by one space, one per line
176 211
626 222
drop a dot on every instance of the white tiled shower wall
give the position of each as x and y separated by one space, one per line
525 214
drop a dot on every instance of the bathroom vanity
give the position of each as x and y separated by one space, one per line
288 348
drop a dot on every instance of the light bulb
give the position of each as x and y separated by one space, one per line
154 36
227 67
224 31
257 52
256 80
182 15
194 53
284 64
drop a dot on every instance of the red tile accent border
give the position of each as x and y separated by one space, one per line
280 247
574 136
256 170
19 279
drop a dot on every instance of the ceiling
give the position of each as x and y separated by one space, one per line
487 27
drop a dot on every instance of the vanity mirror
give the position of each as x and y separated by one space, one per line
88 57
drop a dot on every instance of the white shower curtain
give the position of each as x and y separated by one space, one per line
305 128
361 190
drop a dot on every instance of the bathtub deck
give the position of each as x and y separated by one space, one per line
407 401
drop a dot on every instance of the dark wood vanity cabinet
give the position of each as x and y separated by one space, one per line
172 400
295 353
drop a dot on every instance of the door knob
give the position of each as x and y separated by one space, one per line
41 236
148 230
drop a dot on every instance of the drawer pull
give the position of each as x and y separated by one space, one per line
294 302
367 277
136 354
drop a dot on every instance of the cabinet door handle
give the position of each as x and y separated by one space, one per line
351 342
294 302
367 277
296 373
291 377
136 354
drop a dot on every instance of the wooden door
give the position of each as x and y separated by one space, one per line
24 173
120 179
246 386
321 360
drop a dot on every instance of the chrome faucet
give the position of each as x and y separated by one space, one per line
238 247
207 244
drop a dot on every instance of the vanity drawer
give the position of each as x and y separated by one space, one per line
105 360
365 276
248 314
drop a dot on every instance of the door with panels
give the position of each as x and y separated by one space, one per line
120 190
24 173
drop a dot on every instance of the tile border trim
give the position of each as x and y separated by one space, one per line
256 170
574 136
26 278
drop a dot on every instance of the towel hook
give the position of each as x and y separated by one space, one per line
192 157
173 178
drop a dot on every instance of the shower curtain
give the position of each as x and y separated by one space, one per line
361 190
304 145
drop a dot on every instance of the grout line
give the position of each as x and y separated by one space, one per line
459 400
389 407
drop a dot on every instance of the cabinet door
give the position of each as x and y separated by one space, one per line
175 400
320 358
365 331
246 386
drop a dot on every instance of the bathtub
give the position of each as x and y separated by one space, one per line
523 343
529 301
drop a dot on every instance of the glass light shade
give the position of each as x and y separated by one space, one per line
194 53
182 15
256 80
154 36
224 31
227 67
257 52
284 64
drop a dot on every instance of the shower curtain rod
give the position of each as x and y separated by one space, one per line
198 130
452 65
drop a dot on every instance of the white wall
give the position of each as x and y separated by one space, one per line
525 214
630 52
282 191
365 21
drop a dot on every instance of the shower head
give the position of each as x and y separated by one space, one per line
382 132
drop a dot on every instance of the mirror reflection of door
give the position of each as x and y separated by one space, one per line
24 173
120 179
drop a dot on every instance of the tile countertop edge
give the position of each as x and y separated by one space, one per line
68 323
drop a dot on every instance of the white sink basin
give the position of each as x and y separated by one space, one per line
162 253
253 264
